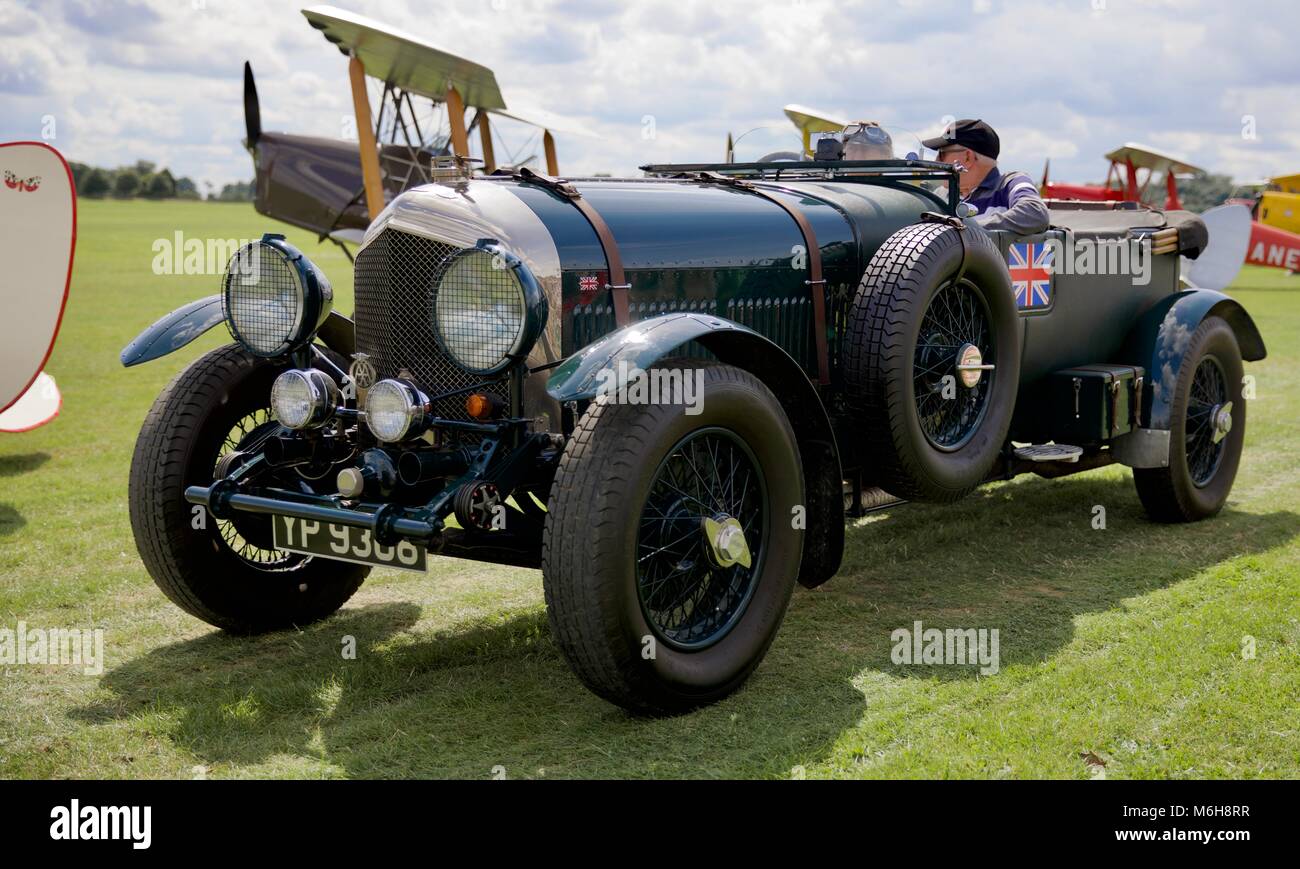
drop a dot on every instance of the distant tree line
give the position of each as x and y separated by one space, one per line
145 180
1197 194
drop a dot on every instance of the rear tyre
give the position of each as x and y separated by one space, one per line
932 435
648 593
1207 432
226 573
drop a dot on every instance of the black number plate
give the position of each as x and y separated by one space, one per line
345 543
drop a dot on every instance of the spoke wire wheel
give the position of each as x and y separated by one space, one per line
689 599
249 537
957 316
930 298
1209 393
226 574
1198 478
650 612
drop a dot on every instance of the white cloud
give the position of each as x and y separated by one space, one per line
161 79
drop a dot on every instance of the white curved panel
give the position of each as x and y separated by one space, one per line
38 219
1223 257
34 408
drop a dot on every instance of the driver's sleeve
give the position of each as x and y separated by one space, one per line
1025 214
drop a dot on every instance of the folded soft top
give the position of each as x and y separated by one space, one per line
1124 220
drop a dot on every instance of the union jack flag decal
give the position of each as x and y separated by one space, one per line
1031 268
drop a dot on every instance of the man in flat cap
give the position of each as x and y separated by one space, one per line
1007 200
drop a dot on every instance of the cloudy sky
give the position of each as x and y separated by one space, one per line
657 80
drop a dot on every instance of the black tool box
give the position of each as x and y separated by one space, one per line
1095 403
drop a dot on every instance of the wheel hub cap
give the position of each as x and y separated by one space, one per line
726 540
952 383
1222 416
970 365
701 539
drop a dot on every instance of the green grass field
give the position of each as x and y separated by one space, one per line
1126 642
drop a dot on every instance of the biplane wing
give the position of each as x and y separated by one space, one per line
412 65
1143 157
809 121
405 61
813 120
544 120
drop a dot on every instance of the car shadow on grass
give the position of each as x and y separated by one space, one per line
491 695
1026 558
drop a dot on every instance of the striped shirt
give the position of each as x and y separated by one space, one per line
1009 202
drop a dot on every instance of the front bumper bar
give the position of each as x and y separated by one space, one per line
388 522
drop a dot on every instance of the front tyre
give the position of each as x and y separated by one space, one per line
670 554
225 572
1207 432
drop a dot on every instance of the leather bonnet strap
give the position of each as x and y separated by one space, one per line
815 282
618 285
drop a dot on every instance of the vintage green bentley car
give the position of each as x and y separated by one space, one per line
667 392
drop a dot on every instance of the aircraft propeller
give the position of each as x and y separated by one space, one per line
252 113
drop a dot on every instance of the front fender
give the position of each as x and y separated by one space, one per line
173 331
597 366
609 362
1159 341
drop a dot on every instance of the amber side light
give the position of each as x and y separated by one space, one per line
479 406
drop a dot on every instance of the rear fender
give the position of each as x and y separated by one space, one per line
1159 341
610 362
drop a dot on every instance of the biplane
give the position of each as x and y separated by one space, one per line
414 133
1132 169
1279 203
814 122
1264 231
1275 234
38 234
809 122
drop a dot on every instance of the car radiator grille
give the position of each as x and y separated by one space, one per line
394 279
788 322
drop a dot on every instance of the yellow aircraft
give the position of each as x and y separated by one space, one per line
1279 203
809 121
814 122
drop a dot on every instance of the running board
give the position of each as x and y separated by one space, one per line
869 500
1048 453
